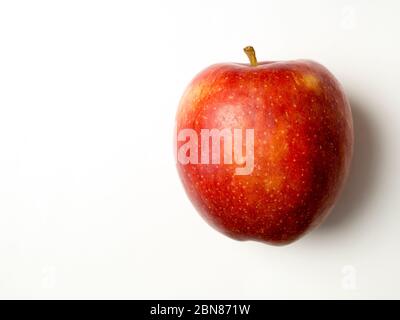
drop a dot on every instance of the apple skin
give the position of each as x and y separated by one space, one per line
303 143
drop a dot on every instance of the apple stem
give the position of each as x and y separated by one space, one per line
251 54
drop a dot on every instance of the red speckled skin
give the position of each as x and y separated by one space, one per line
302 148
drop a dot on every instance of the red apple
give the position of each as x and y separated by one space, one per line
264 148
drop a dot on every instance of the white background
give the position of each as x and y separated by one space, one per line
90 202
